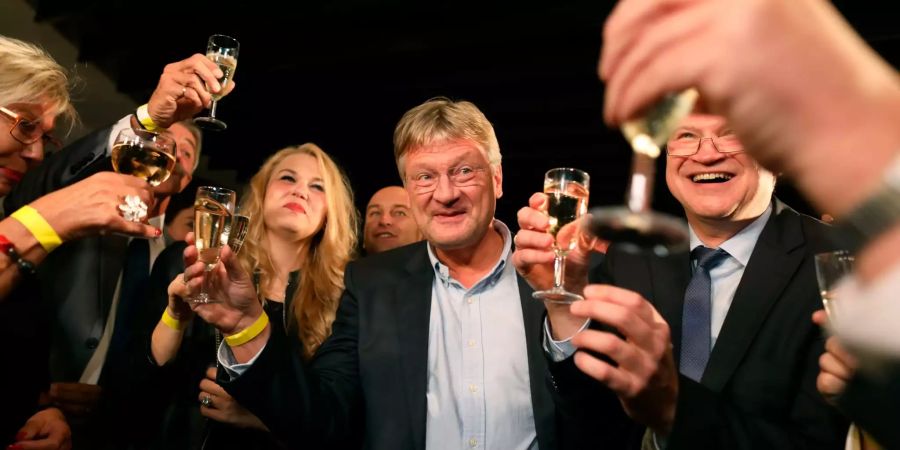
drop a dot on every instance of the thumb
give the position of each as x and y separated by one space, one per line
538 201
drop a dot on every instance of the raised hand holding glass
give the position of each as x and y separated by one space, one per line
222 50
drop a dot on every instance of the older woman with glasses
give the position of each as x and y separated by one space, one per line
61 203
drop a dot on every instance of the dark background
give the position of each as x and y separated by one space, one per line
341 73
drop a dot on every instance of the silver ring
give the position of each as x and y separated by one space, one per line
207 402
133 208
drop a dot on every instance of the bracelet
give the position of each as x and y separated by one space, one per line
143 117
25 267
35 223
171 321
248 333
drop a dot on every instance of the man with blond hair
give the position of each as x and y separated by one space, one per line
435 345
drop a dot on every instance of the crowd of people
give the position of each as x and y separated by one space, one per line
425 335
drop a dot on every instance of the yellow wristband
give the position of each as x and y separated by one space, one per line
32 220
143 116
248 333
172 322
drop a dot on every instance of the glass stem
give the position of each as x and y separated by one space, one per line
640 190
212 109
559 268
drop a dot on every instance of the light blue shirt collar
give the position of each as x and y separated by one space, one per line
443 272
741 245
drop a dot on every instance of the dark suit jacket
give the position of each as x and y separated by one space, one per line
78 278
25 318
759 388
77 281
373 368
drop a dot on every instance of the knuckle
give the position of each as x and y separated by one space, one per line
664 329
632 300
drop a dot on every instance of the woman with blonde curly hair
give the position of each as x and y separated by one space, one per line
303 232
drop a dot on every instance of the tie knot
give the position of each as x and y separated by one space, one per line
707 258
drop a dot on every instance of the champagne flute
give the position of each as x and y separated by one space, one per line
238 231
213 208
567 197
831 267
222 50
144 154
636 226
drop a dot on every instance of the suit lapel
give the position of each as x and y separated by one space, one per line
541 401
412 299
775 259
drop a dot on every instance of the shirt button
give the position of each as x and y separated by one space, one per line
471 342
469 300
473 442
473 388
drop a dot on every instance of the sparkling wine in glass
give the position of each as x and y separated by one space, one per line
222 50
237 232
144 154
635 226
831 267
567 197
213 208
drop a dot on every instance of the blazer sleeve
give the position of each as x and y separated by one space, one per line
73 163
308 404
589 415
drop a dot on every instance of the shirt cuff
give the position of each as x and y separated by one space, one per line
560 350
122 124
232 367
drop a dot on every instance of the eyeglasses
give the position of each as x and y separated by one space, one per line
426 180
688 144
27 132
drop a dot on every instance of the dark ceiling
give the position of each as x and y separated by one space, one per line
341 73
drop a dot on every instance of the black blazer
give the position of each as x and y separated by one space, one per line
25 318
79 278
759 388
370 377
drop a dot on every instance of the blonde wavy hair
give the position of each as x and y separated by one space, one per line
28 74
441 119
315 302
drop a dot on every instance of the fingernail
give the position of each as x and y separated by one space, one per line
157 232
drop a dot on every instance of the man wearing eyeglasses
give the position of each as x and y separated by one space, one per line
711 348
435 345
